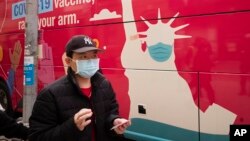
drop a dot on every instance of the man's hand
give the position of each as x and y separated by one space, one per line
82 118
120 125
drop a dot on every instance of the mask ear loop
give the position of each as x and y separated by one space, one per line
77 65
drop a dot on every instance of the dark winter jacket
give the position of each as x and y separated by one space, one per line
56 105
10 128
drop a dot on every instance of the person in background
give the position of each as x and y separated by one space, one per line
80 106
10 128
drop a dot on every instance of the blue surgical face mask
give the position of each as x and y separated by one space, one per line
160 52
87 68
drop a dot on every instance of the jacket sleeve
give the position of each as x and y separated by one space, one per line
44 121
10 128
114 107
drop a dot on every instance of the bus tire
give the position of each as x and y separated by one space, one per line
5 99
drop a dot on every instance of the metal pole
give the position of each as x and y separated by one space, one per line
30 58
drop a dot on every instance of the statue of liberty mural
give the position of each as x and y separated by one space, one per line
155 84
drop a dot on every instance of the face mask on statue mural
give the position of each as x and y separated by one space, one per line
160 52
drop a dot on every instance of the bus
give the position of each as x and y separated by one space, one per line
180 68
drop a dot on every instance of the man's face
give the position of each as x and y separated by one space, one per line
80 56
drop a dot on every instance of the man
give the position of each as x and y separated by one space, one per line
10 128
80 106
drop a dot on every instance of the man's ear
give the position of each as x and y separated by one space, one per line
67 60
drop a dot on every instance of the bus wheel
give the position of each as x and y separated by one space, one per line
5 100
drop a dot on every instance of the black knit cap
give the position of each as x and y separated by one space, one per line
79 44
